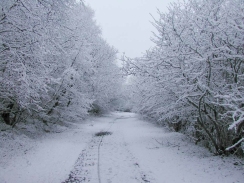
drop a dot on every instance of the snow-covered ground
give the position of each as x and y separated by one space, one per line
136 151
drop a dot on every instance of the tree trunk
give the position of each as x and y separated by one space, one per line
6 115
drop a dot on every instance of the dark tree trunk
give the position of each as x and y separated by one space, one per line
6 115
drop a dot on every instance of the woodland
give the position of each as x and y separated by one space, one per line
55 68
192 79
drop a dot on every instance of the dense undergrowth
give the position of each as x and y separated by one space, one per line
192 80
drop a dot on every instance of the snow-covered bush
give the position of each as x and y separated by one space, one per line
194 74
53 61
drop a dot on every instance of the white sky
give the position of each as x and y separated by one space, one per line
126 23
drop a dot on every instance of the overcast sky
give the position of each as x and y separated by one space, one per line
126 23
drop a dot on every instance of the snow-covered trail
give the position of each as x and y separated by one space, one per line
139 152
135 152
108 158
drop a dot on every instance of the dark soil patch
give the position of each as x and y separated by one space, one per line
103 134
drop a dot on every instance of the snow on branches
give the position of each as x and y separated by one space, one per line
52 61
193 76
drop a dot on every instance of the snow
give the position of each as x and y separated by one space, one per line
136 151
49 160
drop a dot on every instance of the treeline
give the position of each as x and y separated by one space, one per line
54 64
193 78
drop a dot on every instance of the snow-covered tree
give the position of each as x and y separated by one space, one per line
189 78
23 71
51 51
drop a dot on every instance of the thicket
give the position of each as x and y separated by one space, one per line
193 78
54 64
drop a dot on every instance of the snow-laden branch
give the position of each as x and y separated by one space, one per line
234 145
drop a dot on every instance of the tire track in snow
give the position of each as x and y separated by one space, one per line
107 159
118 165
85 168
